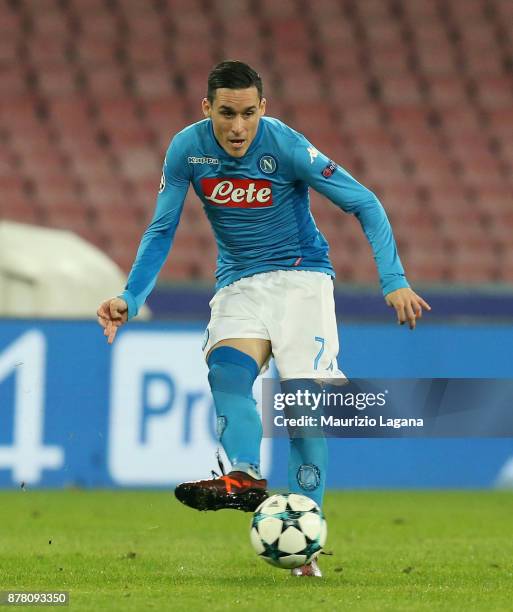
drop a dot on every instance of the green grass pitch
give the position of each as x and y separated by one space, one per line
129 550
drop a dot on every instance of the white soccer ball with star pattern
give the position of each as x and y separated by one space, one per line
288 531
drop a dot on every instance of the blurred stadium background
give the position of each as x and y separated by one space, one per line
415 98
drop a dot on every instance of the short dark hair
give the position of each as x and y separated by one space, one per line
233 74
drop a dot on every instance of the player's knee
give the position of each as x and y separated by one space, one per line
231 371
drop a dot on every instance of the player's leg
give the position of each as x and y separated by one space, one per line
308 452
304 338
308 465
236 348
234 365
308 460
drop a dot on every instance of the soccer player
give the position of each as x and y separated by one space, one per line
274 292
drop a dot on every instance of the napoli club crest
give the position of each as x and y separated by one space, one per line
267 164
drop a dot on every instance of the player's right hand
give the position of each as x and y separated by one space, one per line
111 315
408 305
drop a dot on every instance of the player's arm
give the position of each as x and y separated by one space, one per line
155 244
342 189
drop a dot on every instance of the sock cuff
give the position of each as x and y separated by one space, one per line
228 354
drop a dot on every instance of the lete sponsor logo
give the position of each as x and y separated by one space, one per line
237 193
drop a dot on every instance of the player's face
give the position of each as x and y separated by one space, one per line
235 114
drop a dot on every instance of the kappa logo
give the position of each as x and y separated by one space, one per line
313 154
267 164
237 193
162 185
203 160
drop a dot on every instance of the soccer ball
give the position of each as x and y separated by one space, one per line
288 531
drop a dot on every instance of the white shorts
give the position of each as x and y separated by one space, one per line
294 309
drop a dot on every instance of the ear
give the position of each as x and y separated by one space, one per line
205 105
263 104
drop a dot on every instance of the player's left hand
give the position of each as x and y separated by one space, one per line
408 305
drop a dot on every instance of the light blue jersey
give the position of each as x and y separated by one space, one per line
259 208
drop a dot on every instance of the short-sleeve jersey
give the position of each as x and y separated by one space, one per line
259 209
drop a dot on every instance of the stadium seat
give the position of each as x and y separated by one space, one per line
20 210
475 33
278 10
504 10
505 264
380 33
93 52
469 13
57 190
290 32
91 164
349 89
107 193
328 10
479 63
408 121
468 266
345 60
480 167
307 86
445 91
13 81
57 80
86 7
49 22
154 83
495 197
498 119
71 218
399 91
397 196
374 11
436 60
361 117
140 162
494 92
54 162
12 186
391 62
420 11
99 26
106 81
117 112
424 265
234 10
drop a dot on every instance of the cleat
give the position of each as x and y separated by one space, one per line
236 490
312 569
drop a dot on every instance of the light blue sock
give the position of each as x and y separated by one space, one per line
231 377
308 456
308 463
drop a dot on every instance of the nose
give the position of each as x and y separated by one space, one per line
237 124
